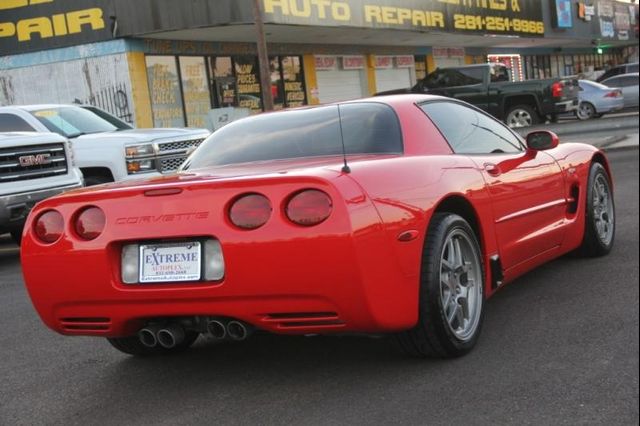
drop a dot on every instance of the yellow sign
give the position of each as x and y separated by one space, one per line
23 26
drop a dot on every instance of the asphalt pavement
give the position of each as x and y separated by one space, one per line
559 346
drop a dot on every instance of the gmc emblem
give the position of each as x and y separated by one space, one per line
34 160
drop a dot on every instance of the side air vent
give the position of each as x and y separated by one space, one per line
85 324
574 194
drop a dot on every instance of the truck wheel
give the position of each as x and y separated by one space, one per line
586 111
521 116
451 297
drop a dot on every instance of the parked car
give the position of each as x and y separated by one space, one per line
32 167
597 99
107 150
396 214
617 70
628 83
489 87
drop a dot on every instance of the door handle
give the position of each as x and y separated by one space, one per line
492 169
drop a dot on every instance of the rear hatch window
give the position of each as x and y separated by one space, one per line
367 128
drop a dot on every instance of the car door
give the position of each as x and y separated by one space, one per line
526 187
629 86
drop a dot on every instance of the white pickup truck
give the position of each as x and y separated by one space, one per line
33 166
106 149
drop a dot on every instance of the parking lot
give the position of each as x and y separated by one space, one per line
559 346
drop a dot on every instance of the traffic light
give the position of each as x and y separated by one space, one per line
599 50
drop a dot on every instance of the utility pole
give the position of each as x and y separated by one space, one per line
263 57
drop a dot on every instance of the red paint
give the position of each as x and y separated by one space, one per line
351 272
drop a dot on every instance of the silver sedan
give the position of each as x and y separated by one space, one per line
629 85
597 99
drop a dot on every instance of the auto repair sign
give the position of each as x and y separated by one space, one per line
29 25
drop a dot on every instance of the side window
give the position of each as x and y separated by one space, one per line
13 123
469 131
628 81
436 79
633 68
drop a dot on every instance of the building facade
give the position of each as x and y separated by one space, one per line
159 63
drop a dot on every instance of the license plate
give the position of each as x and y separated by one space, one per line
170 262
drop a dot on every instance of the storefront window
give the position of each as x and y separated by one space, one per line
195 90
277 89
164 88
293 77
223 83
248 82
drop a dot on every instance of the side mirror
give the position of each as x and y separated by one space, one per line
541 140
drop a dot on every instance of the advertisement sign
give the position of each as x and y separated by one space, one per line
29 25
562 14
614 19
325 62
352 62
509 17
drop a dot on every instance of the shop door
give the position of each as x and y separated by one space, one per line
393 78
339 85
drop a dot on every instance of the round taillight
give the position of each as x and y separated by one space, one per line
250 211
309 207
89 223
49 227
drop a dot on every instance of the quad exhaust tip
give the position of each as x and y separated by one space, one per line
170 336
148 336
237 330
217 329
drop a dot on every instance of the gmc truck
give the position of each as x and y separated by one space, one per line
33 167
489 87
106 149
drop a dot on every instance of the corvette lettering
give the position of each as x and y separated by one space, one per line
176 217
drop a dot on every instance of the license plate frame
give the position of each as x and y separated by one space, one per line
186 269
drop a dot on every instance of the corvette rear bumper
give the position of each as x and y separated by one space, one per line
341 275
292 287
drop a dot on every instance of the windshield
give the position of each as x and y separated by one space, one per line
71 121
368 128
121 125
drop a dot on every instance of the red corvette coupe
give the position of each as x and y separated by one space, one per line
397 214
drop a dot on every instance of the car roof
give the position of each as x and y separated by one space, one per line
629 74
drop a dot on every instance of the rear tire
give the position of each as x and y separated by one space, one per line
132 346
451 296
521 116
599 229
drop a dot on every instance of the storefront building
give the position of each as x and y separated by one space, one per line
154 63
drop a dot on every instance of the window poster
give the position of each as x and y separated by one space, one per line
164 88
294 89
195 90
248 83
